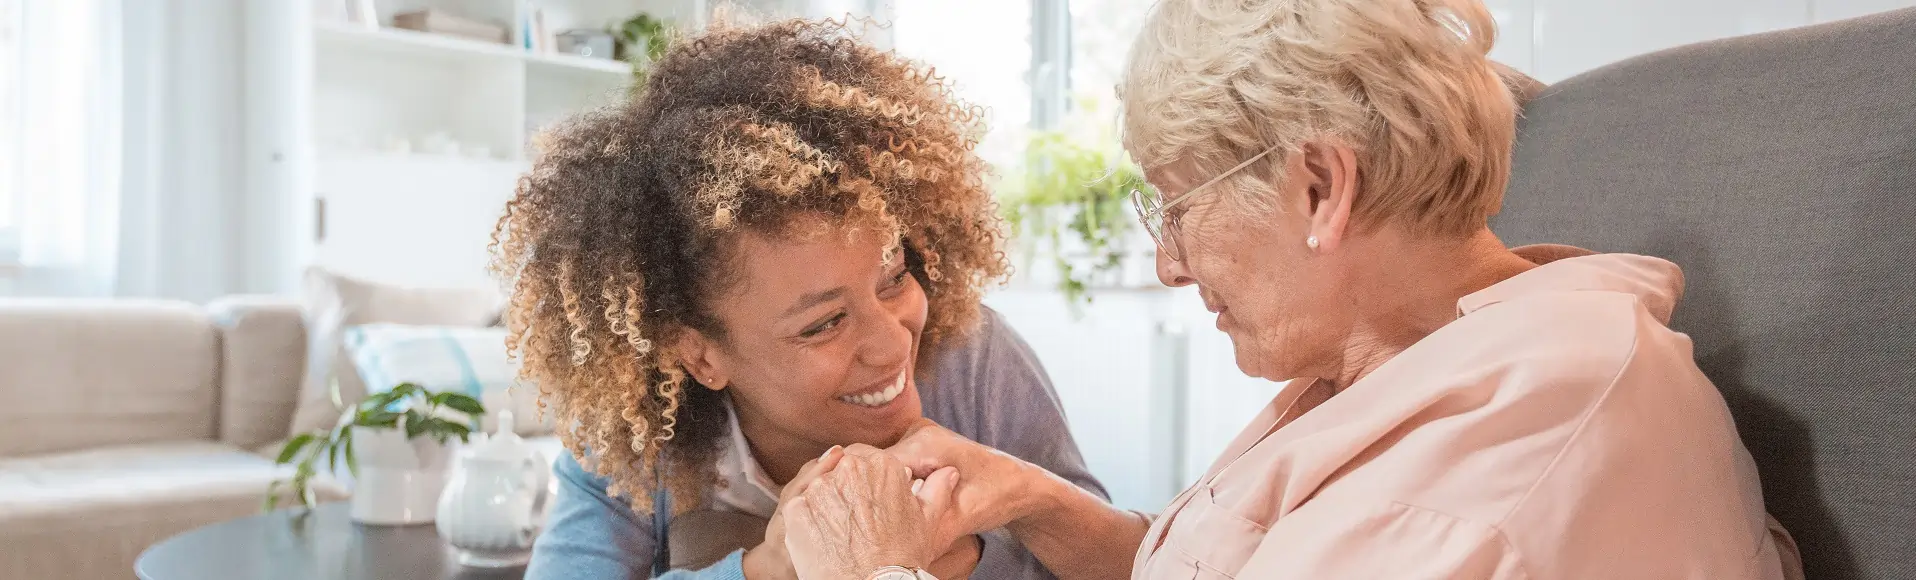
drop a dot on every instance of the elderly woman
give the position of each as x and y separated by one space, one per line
1324 173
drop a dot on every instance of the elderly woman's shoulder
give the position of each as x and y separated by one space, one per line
1567 339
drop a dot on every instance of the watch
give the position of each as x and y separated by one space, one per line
900 573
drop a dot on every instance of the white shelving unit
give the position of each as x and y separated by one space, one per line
389 153
399 91
405 43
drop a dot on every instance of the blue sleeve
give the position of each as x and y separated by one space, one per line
731 568
592 535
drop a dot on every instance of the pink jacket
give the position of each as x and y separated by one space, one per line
1557 429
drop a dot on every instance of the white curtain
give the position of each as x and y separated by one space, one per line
66 164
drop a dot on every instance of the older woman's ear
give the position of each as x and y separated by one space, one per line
1328 173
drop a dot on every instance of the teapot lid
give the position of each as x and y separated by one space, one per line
503 444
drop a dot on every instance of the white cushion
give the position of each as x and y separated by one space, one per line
447 359
89 514
336 302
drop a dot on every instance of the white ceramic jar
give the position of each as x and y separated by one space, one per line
495 504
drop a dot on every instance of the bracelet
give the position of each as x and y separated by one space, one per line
900 573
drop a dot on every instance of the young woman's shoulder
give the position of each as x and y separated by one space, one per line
980 383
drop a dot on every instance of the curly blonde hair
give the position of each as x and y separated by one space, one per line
624 227
1405 83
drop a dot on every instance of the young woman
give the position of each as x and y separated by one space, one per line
777 247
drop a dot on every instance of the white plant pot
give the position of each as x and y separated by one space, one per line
399 480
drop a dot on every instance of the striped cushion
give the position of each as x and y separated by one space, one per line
447 358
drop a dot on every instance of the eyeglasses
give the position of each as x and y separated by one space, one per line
1151 208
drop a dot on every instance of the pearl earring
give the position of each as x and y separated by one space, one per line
1311 242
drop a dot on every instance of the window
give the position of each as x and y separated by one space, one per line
1027 62
60 141
10 198
1101 36
984 48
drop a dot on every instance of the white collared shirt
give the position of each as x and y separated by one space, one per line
743 485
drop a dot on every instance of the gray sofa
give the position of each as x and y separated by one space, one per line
1779 171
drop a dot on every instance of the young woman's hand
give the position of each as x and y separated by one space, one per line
866 514
959 560
770 561
997 488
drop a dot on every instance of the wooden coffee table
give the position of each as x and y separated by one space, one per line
323 545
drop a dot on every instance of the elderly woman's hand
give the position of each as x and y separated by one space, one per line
770 561
863 515
997 489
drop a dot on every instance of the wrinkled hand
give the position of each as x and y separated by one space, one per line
997 487
770 560
865 514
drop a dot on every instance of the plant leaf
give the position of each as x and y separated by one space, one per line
332 456
380 418
463 403
378 402
352 461
442 430
272 495
292 448
451 428
415 424
303 475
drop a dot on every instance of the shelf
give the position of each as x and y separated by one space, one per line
332 156
412 43
581 63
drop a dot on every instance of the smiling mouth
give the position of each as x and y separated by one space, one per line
879 397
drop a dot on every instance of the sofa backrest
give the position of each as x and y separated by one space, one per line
76 374
1779 171
262 359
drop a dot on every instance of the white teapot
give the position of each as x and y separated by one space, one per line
495 504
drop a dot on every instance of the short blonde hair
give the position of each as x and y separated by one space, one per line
1405 83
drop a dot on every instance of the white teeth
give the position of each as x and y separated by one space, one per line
878 398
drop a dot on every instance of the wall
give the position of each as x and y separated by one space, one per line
1555 39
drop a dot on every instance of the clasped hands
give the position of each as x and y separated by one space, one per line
920 503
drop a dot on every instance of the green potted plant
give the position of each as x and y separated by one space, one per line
1070 202
405 433
641 40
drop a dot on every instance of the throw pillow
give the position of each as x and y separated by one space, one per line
445 358
335 302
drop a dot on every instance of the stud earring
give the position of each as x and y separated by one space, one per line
1311 242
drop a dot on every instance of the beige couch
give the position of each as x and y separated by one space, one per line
125 422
